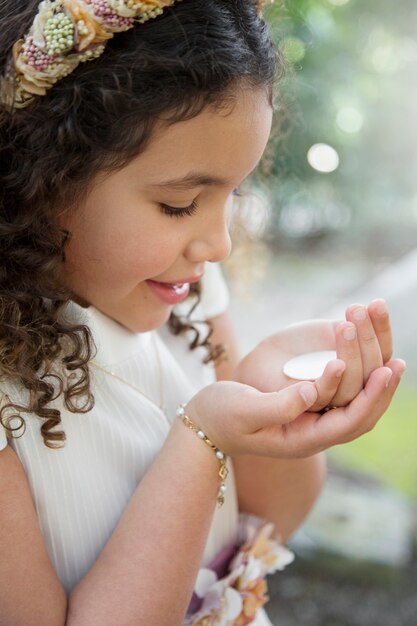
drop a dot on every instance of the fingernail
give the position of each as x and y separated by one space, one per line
381 309
349 333
404 367
359 314
388 378
308 393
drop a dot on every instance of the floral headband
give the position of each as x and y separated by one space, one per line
66 33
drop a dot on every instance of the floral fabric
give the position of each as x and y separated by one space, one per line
231 590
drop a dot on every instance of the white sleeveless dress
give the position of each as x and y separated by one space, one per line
81 490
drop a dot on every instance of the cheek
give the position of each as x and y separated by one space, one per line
112 253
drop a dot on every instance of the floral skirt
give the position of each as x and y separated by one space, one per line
231 590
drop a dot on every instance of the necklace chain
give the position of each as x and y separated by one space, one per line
161 404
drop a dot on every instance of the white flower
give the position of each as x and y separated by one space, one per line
231 604
45 11
222 604
122 8
236 598
283 557
252 570
257 543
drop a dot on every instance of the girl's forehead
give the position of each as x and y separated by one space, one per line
225 144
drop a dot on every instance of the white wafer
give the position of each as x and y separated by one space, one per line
308 366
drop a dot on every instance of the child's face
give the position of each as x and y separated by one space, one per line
124 244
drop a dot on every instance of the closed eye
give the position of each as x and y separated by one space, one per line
189 210
179 211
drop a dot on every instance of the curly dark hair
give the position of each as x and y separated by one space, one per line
98 118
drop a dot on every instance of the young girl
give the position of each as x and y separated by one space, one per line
125 129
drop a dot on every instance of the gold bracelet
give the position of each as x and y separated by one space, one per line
223 471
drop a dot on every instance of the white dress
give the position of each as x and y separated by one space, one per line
81 490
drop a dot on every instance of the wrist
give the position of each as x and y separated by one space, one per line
218 454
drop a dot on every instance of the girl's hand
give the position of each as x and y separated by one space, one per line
243 420
363 343
369 349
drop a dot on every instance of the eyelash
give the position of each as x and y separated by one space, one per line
173 211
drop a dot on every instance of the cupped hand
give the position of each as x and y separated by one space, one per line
240 419
363 343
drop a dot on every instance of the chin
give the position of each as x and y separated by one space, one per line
144 326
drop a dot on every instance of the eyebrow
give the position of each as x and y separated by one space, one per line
192 179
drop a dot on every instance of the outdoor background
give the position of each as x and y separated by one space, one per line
339 178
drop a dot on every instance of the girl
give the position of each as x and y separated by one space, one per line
125 128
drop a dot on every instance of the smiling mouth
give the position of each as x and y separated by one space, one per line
177 287
170 293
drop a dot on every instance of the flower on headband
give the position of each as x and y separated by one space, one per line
30 81
64 34
36 82
45 12
146 8
89 31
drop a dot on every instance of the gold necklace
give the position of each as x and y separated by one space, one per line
161 404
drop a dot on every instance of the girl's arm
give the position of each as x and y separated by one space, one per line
279 490
30 592
147 570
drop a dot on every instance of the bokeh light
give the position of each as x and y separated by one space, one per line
349 119
321 21
293 49
323 158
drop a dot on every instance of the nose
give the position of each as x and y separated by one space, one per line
211 241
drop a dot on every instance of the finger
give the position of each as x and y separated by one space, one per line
347 346
328 384
379 315
368 341
340 425
279 407
366 409
376 397
311 433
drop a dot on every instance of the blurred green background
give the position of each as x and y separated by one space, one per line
339 176
389 451
344 167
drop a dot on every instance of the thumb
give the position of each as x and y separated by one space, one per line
279 407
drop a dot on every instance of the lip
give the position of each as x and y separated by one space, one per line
172 292
180 281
